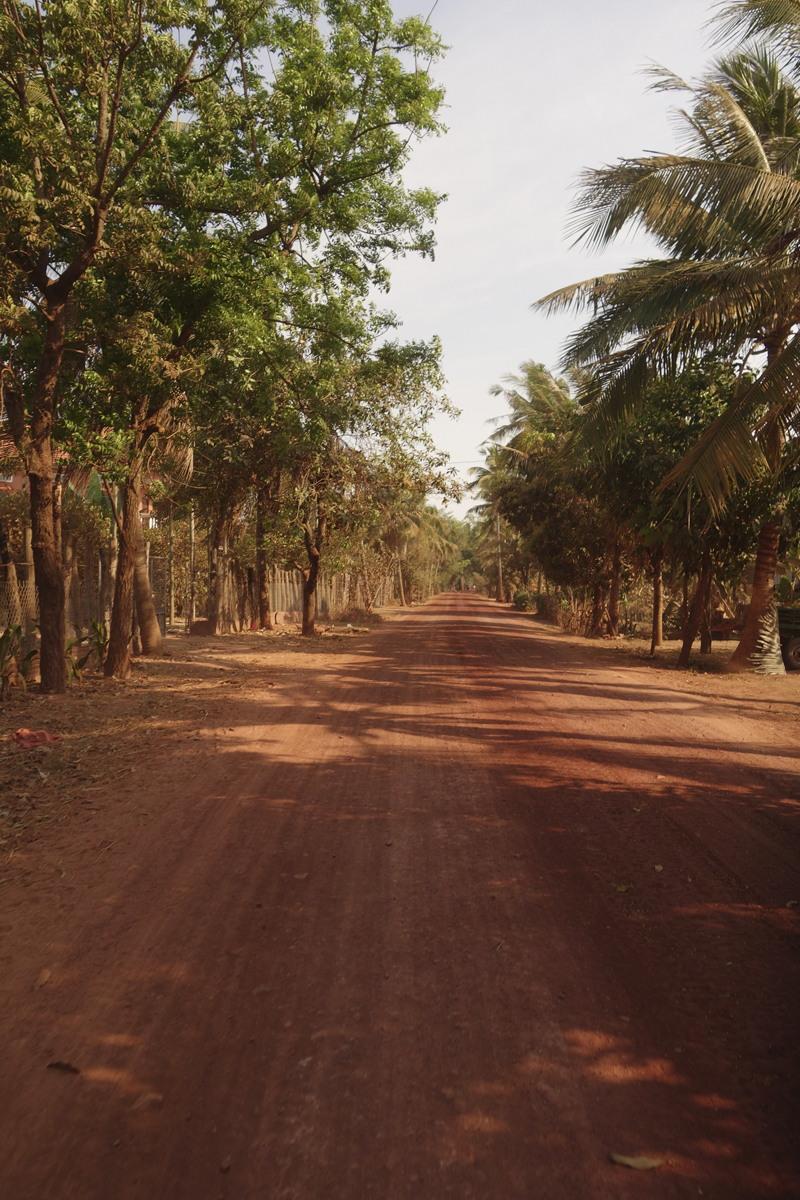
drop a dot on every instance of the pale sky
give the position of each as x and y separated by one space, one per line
535 92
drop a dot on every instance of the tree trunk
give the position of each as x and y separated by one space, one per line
90 578
118 659
598 608
108 574
310 576
368 596
696 611
706 641
192 570
149 629
262 574
214 583
33 437
759 648
500 597
242 591
685 604
657 638
49 582
72 583
314 543
403 601
613 595
216 575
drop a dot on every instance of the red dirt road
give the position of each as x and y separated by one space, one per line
401 934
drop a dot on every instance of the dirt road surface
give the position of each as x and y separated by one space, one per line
457 911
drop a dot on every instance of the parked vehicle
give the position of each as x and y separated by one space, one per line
789 633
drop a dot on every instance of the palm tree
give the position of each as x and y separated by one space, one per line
726 212
405 519
538 401
487 482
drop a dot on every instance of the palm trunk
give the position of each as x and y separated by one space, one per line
500 597
657 637
699 601
759 648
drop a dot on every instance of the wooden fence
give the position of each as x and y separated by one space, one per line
336 594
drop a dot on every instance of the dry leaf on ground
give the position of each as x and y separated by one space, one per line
637 1163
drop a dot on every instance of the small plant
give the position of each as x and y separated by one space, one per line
98 640
75 665
11 667
523 601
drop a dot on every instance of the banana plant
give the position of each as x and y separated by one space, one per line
11 642
98 640
74 666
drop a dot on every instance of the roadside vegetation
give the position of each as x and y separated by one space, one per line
198 210
197 207
669 449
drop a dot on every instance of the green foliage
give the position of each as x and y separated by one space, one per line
12 640
75 665
723 213
195 213
98 640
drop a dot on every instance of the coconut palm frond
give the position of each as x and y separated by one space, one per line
745 441
730 457
726 455
664 80
725 131
686 203
776 21
611 399
538 401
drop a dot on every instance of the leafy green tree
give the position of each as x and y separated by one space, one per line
85 106
303 166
